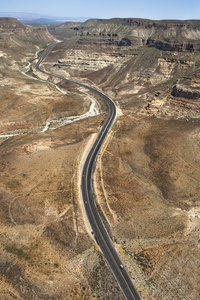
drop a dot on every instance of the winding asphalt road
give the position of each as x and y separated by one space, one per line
99 231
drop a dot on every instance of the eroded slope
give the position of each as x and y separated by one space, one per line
148 178
45 250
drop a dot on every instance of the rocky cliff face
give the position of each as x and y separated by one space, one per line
170 35
188 93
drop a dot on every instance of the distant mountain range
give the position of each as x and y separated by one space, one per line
33 18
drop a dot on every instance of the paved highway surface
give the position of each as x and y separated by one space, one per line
101 236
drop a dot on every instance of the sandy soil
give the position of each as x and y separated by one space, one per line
46 252
150 199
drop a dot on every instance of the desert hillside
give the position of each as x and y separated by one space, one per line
172 35
45 250
147 177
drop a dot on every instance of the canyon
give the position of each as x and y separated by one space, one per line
146 180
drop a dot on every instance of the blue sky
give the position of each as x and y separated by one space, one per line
155 9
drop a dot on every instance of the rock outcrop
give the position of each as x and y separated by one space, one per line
170 46
179 91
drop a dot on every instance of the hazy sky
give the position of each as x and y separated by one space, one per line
151 9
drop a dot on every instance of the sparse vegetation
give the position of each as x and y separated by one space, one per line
148 181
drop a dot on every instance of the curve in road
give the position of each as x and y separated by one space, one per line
99 231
